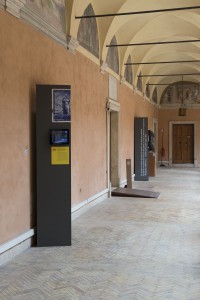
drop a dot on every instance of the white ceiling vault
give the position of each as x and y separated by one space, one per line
144 28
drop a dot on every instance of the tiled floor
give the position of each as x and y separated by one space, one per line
123 248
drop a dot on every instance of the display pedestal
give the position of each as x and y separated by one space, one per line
129 173
53 168
151 164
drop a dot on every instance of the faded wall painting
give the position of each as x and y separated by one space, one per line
112 58
128 75
155 96
52 11
181 92
139 82
88 32
147 92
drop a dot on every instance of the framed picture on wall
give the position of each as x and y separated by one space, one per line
61 105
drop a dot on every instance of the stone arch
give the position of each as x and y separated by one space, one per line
128 75
112 58
139 82
155 96
147 91
88 33
186 92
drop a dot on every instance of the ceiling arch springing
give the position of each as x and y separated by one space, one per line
162 26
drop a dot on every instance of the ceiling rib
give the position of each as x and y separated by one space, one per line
164 75
170 83
158 83
162 62
154 43
137 12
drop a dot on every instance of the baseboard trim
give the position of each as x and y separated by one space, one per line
10 249
19 239
88 203
16 246
183 165
164 162
167 163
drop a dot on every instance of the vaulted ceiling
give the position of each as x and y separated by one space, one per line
146 28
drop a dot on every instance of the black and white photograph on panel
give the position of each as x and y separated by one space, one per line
61 105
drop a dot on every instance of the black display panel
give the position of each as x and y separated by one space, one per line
59 137
141 149
53 181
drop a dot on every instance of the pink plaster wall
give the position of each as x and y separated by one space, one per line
132 105
27 58
88 130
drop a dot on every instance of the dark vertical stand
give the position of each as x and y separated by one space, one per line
53 181
162 149
129 173
141 149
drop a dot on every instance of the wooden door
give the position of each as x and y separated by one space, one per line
183 143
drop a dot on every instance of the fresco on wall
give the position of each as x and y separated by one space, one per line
52 11
139 82
88 32
128 75
155 96
112 58
147 92
173 93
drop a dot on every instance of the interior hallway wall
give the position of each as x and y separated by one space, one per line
132 105
27 58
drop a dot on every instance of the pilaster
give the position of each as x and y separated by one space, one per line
103 67
122 79
72 44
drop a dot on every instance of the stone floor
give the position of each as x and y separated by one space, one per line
123 248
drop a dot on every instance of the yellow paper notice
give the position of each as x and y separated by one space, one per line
60 155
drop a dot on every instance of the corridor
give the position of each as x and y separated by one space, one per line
122 248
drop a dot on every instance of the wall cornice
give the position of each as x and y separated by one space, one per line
34 19
14 7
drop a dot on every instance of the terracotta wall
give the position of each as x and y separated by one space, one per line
27 58
89 96
166 115
132 105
